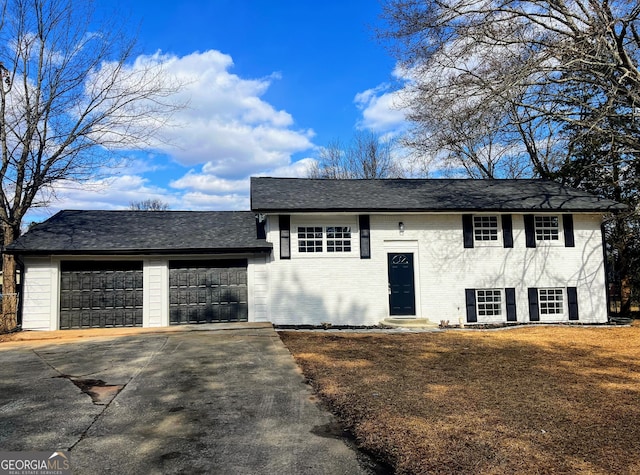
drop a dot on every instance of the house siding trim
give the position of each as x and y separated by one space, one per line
40 294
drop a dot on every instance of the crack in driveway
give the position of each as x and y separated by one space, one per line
101 393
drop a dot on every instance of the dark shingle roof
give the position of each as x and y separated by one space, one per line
298 194
134 232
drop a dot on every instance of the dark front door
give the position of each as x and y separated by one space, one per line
402 300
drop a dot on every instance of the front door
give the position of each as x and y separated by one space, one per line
402 299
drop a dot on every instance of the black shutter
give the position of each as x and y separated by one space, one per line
567 222
470 295
529 230
507 230
534 309
510 296
261 221
365 236
285 236
467 230
572 298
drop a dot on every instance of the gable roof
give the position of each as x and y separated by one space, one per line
135 232
315 195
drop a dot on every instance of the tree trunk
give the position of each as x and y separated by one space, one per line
9 320
625 297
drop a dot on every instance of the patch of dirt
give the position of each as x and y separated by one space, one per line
553 399
100 392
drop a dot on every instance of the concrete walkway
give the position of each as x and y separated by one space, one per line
226 400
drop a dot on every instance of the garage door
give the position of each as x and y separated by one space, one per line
208 291
100 294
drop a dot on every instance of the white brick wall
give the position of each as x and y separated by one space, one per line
312 289
258 289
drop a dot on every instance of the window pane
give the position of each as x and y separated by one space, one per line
309 239
489 302
485 228
546 228
551 301
338 238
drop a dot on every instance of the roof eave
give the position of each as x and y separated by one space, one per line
610 209
266 249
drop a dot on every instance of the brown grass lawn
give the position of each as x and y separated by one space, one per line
552 399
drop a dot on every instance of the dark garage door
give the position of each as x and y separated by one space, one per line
208 291
100 294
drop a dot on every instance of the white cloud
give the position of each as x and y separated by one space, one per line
206 190
381 111
299 169
227 133
209 183
115 192
206 202
226 124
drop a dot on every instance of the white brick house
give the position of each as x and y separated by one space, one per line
346 252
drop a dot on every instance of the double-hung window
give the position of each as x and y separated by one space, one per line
489 230
546 228
485 228
551 301
491 305
489 302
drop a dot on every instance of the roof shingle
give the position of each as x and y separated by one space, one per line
300 194
129 232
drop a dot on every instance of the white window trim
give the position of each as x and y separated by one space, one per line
499 242
503 306
554 316
314 239
552 243
324 224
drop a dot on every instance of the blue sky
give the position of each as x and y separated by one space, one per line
269 83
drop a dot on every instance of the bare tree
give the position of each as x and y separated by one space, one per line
70 94
366 156
149 205
502 77
530 88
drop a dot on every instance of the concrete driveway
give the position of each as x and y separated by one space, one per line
203 400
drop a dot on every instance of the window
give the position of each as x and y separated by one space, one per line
315 238
338 239
485 228
489 302
546 228
309 239
551 301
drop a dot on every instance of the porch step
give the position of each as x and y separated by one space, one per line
409 323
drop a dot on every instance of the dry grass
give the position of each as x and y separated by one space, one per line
549 399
